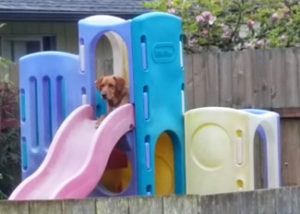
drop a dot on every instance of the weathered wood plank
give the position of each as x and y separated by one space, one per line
221 203
225 79
45 207
285 203
144 205
189 82
238 80
291 77
199 80
284 156
281 200
297 55
268 77
290 146
212 81
295 194
266 201
248 70
187 204
259 79
112 205
87 206
208 204
278 95
248 203
14 207
286 113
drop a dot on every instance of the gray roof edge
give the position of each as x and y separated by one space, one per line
25 15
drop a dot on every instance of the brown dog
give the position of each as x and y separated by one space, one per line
114 91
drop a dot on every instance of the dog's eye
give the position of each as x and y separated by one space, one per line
110 85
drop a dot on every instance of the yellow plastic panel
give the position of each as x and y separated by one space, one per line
217 151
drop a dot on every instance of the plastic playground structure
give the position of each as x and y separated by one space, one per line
149 146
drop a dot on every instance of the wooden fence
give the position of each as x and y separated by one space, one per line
255 78
268 79
279 201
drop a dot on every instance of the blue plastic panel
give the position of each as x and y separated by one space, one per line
51 87
158 80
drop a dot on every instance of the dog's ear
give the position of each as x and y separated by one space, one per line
98 82
120 83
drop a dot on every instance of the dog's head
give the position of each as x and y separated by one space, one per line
112 88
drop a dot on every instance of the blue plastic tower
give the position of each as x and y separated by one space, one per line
159 86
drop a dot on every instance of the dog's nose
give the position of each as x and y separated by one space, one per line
104 96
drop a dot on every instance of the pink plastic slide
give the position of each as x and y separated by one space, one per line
77 156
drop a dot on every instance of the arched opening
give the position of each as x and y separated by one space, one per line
118 173
260 159
111 58
164 165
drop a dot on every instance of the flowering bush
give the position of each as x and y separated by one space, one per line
9 132
235 24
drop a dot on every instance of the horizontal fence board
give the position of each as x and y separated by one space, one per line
265 201
144 205
112 205
79 206
187 204
8 207
46 207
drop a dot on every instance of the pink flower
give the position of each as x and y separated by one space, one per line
260 43
206 15
248 45
274 17
204 32
199 19
172 10
226 33
250 23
